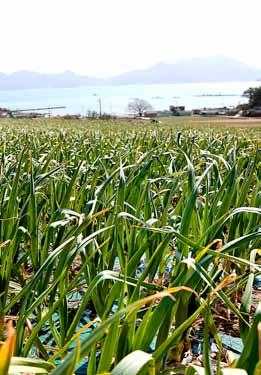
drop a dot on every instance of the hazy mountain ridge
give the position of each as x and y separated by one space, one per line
33 80
212 69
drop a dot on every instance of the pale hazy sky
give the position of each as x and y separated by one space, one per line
107 37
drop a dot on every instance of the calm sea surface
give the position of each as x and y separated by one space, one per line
114 99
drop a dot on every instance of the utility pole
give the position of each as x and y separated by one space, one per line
100 106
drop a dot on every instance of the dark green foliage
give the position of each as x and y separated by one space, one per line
254 96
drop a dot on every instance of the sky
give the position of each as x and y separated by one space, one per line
108 37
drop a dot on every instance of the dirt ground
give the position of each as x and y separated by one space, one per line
221 121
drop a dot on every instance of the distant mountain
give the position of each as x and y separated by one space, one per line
212 69
33 80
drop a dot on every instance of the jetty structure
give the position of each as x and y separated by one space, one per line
27 112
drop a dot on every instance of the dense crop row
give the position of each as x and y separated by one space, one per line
117 238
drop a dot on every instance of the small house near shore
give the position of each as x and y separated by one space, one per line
150 114
4 113
252 112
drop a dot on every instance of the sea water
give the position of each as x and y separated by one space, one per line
114 99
